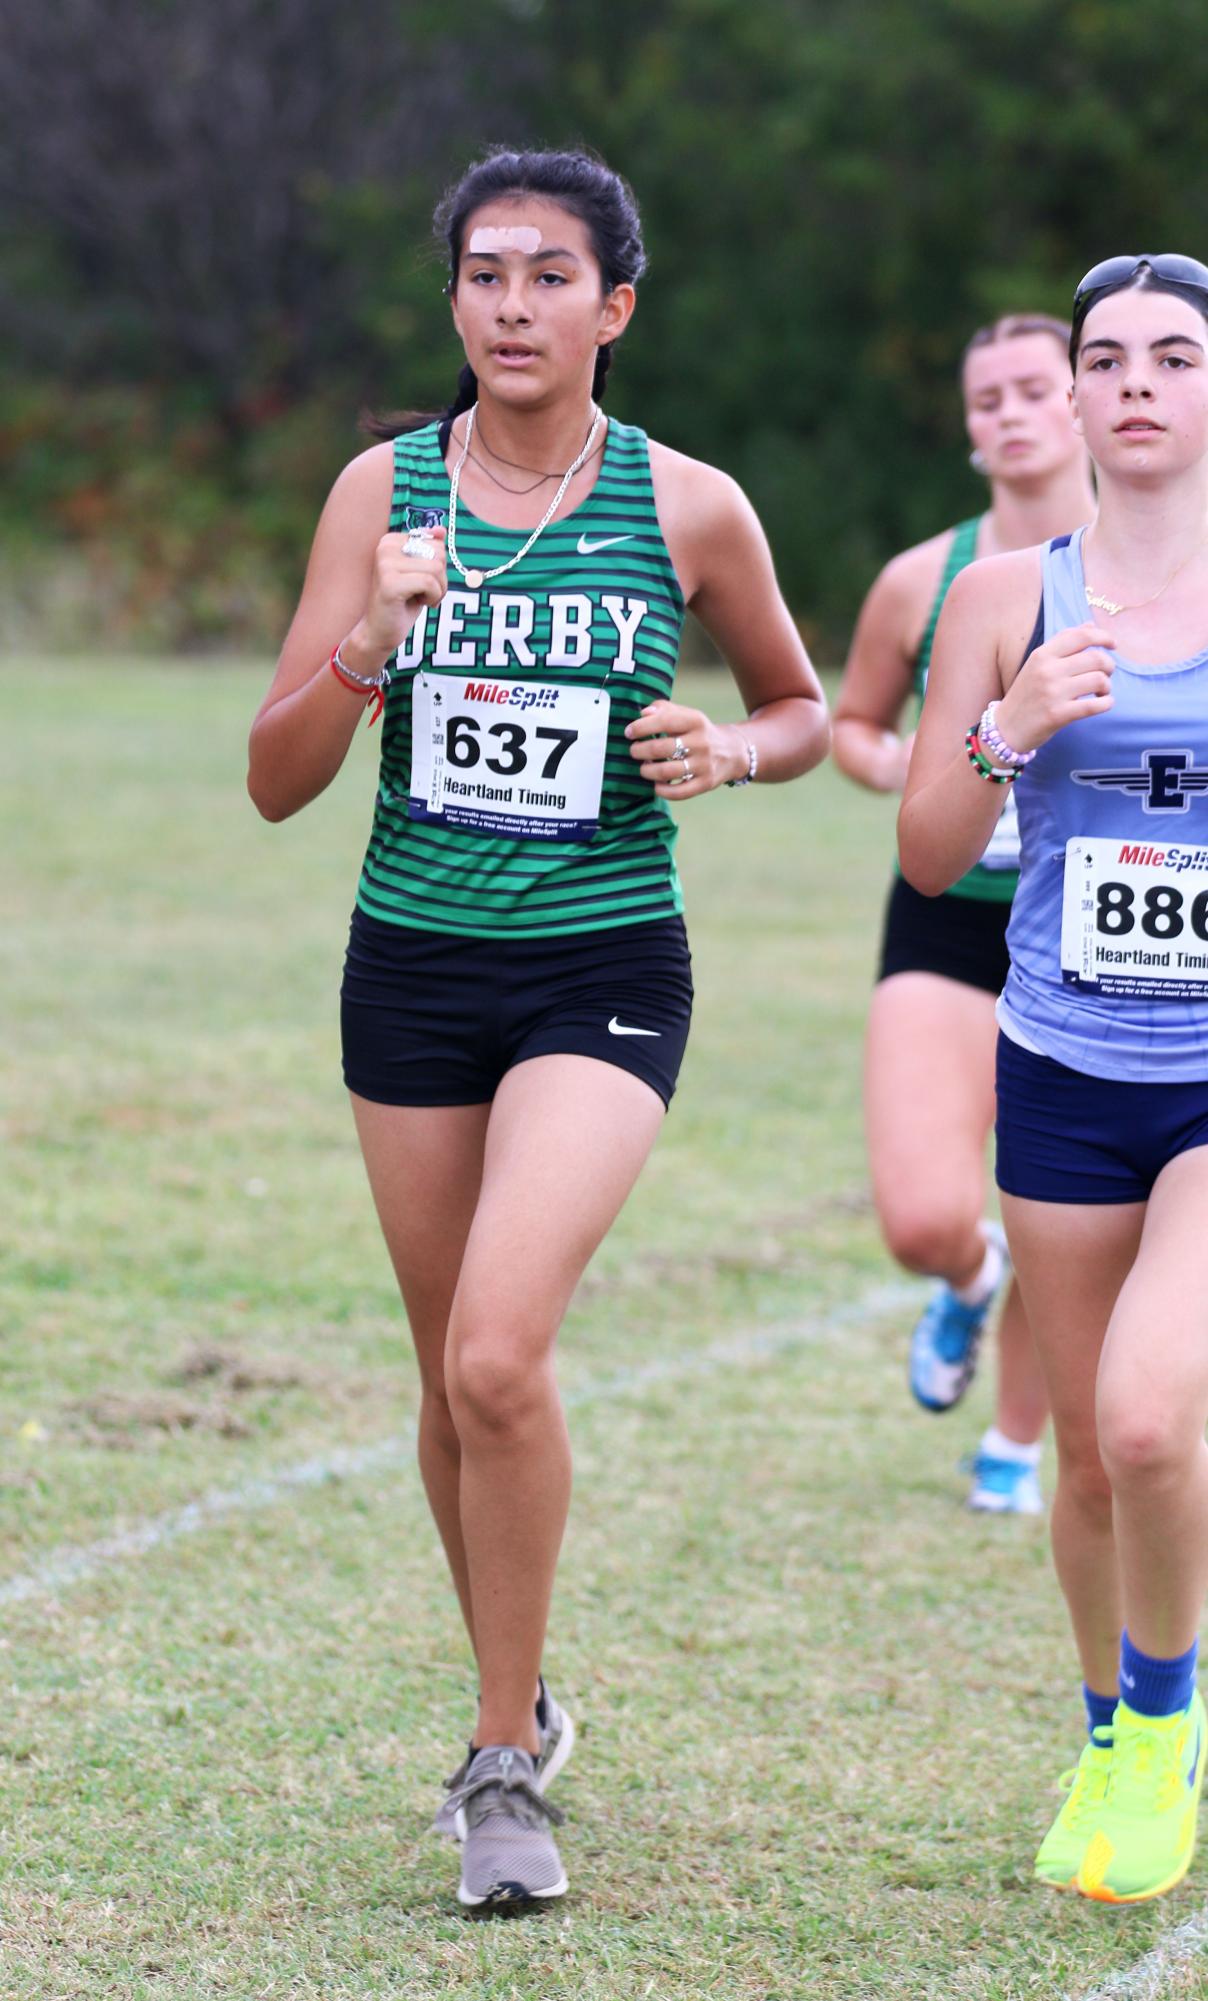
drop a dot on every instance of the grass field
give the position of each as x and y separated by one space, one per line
821 1706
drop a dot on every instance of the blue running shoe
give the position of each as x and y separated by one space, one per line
1004 1486
943 1348
944 1345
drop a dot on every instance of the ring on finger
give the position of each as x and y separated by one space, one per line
688 773
680 750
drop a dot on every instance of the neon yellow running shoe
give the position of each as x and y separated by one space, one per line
1144 1835
1084 1786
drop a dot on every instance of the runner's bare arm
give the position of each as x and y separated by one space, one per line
877 678
724 566
362 592
948 811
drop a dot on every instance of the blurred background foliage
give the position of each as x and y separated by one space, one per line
215 251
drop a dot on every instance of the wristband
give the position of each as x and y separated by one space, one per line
995 743
981 763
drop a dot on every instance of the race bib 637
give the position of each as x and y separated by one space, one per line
523 759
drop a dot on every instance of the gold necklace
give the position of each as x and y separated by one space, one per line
1113 609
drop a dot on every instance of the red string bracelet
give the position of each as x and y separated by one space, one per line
359 684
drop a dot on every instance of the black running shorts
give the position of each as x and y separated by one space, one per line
958 937
433 1019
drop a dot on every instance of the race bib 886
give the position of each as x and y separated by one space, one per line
1134 919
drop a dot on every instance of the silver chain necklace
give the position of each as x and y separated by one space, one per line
475 578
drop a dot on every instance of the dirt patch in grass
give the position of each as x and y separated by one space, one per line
240 1373
786 1246
122 1421
212 1389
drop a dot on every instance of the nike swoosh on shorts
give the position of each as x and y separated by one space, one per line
587 548
616 1027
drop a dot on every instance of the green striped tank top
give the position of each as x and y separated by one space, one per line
593 606
986 884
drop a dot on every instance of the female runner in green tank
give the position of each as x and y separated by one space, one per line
929 1056
512 581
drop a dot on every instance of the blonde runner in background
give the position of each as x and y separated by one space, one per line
929 1059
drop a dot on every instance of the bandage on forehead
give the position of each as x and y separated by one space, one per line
493 242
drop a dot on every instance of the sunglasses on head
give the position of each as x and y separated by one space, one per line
1114 272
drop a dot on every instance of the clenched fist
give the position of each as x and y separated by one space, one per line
1068 677
408 573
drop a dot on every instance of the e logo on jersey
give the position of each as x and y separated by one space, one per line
1166 781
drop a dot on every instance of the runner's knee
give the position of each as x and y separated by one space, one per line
1140 1440
932 1238
495 1388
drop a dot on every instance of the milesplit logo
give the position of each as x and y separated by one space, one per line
1166 782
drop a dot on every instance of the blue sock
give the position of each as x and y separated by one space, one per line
1156 1687
1099 1709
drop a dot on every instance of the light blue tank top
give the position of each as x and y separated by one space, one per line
1137 775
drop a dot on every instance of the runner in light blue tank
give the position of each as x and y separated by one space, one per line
1125 997
1103 1055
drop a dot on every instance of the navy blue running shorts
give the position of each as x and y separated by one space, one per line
962 938
428 1018
1067 1137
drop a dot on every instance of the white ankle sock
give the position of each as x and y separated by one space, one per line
984 1280
996 1445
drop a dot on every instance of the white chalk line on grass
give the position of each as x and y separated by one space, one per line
1145 1981
1149 1978
74 1564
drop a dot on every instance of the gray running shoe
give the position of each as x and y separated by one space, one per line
557 1743
508 1853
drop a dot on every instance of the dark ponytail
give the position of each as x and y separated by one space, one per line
603 364
577 182
465 395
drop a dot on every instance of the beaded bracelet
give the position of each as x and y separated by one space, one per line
362 684
981 763
752 766
989 734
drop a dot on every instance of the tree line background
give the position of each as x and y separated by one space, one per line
215 252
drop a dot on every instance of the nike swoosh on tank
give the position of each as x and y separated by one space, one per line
587 548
